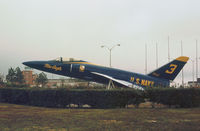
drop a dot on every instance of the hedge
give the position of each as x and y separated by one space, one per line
100 98
63 97
187 97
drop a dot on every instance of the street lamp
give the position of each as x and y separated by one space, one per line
110 84
110 49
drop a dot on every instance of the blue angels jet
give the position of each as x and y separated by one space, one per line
70 67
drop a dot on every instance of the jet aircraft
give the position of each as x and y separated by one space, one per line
71 67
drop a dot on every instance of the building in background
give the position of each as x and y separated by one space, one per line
56 83
194 83
29 77
72 83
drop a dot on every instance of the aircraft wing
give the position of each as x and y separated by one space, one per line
122 82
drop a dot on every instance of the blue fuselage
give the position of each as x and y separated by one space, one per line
88 71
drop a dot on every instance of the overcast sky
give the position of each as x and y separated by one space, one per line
46 29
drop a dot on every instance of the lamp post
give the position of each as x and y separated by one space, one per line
110 84
110 50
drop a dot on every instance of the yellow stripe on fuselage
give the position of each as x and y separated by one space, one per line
87 63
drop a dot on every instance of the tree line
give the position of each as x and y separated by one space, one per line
15 78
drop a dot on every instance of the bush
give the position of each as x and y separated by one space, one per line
14 96
64 97
175 97
100 98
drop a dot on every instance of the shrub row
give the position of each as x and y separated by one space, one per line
63 97
100 98
188 97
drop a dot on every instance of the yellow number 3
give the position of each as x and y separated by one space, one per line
172 69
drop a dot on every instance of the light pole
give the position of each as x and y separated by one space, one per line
110 50
110 84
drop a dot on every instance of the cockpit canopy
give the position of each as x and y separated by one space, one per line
65 60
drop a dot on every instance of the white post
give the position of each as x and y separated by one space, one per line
196 59
182 69
156 55
193 71
145 58
168 51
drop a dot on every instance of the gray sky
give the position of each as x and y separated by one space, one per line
46 29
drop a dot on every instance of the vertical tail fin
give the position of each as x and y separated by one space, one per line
170 70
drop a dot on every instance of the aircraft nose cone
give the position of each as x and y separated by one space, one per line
27 63
34 64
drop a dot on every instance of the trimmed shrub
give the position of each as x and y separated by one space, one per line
175 97
100 98
64 97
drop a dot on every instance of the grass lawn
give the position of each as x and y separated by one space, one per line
27 118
